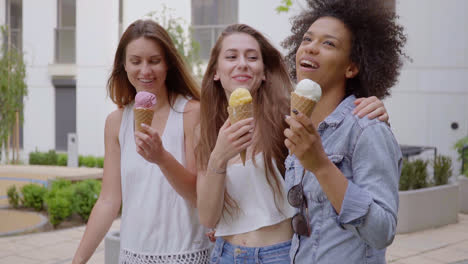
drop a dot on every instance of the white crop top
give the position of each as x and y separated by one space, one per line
249 188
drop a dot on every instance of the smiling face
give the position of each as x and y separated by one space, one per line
240 63
145 65
324 54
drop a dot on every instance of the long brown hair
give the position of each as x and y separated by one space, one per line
178 80
270 101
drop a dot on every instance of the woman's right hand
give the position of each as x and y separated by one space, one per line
233 138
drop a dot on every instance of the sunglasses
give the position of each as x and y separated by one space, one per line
297 199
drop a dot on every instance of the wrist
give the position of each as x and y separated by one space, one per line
217 163
163 159
323 168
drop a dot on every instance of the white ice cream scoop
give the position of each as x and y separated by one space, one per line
309 89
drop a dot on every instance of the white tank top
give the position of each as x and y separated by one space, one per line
157 224
248 186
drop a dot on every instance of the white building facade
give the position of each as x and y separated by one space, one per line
69 47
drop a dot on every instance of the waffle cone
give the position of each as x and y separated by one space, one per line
302 104
142 115
238 113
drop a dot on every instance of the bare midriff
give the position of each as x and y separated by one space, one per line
265 236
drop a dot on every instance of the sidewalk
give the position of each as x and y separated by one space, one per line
448 244
48 248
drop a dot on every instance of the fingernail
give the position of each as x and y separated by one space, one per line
144 125
295 111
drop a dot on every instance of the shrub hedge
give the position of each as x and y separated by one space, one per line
60 159
61 199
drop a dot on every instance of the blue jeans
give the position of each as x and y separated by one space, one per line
225 252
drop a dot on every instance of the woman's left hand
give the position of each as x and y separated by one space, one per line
149 145
303 140
372 107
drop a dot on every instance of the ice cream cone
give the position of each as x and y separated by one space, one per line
142 115
302 104
237 113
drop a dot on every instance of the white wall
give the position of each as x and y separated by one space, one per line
261 15
433 89
2 12
38 47
137 9
96 42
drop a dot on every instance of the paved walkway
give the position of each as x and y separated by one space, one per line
56 247
448 244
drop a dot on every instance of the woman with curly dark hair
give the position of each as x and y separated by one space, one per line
344 171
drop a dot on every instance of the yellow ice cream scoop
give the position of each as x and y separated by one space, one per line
240 107
240 96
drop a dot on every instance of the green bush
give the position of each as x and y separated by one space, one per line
59 205
55 186
100 162
420 174
87 161
59 184
36 158
413 175
51 157
59 201
85 196
406 175
62 159
459 147
43 158
13 196
33 196
442 169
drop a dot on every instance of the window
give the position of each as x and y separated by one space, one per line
65 32
14 15
209 18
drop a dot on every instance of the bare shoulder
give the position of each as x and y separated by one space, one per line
192 113
192 106
192 119
113 121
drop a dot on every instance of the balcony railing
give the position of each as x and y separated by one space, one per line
65 47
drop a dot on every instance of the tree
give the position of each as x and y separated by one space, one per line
182 38
284 6
12 88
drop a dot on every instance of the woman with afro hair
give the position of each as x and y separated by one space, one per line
343 172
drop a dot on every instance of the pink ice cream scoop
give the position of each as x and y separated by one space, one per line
145 100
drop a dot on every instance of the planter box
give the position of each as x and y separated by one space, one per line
428 208
112 247
463 182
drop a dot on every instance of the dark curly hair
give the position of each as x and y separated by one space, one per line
377 42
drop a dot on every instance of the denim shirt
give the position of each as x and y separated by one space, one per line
368 155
